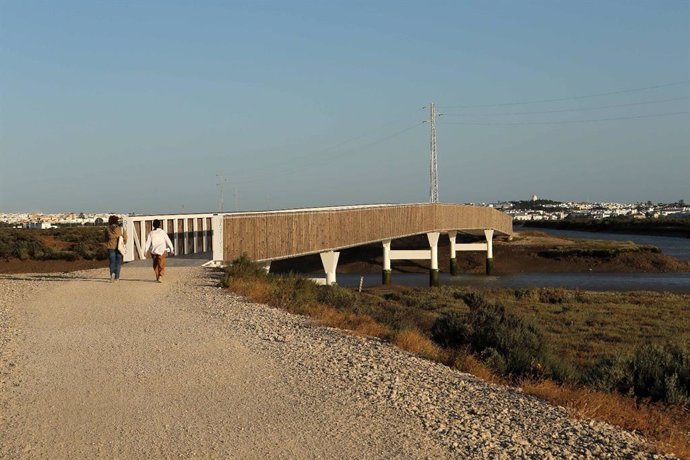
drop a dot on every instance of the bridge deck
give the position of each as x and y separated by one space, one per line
281 234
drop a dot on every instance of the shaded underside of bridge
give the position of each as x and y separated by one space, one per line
275 235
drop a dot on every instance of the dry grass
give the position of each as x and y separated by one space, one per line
366 326
415 342
257 290
667 426
360 324
329 317
471 365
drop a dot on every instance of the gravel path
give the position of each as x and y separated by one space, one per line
184 369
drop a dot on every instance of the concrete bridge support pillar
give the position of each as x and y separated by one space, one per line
453 259
267 266
386 273
489 234
330 262
433 271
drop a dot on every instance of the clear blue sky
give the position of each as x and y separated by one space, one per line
136 106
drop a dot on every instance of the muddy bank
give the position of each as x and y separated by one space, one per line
48 266
658 227
527 252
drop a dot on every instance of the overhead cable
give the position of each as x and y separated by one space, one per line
272 173
570 98
580 109
563 122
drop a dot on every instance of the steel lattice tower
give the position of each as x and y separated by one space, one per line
433 170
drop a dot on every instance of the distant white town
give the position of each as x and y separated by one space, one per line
538 209
41 220
534 209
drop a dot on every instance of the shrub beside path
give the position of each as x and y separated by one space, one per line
184 369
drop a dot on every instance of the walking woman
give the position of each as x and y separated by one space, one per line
112 234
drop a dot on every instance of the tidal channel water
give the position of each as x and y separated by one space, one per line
669 282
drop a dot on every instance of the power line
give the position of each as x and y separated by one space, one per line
571 98
320 159
391 136
331 150
580 109
563 122
358 137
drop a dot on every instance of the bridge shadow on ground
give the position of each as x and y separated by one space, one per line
187 260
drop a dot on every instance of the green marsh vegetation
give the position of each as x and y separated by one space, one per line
63 243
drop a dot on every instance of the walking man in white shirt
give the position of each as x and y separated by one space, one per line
158 245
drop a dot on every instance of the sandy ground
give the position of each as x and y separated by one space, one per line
123 370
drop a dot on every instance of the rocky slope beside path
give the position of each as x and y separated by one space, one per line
185 369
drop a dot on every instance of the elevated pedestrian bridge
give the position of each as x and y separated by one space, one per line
273 235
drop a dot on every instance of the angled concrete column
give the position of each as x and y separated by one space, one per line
489 234
453 260
386 273
433 270
330 262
